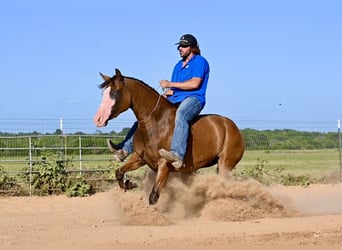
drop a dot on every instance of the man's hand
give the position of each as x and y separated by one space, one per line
167 93
165 84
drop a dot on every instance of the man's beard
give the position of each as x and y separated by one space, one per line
184 57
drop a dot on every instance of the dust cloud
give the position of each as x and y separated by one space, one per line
212 197
318 199
202 197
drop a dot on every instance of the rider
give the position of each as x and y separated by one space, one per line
186 89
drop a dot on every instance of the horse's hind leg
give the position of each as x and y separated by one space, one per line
225 165
161 178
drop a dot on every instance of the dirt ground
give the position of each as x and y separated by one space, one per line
211 212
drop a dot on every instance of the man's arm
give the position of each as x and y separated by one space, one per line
193 83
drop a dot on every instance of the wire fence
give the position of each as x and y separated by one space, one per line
77 151
79 155
27 146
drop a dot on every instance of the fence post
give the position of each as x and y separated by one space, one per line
80 152
65 151
63 141
339 144
30 157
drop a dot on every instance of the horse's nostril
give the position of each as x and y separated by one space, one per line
99 118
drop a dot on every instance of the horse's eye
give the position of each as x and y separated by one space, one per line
114 95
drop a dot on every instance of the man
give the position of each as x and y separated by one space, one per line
186 89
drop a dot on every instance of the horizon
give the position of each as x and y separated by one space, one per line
71 126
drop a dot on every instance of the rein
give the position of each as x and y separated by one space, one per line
156 105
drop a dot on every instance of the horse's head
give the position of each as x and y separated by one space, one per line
114 99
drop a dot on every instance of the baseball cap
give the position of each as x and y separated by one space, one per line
187 40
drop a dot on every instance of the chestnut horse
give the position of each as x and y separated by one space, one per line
212 138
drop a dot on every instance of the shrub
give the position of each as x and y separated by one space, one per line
271 176
80 188
50 177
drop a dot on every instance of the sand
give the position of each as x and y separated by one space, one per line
210 212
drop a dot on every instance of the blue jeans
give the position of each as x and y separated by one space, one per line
127 143
186 111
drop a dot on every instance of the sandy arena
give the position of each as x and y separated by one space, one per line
210 213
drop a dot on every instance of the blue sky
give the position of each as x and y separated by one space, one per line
272 62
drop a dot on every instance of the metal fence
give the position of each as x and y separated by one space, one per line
83 154
79 154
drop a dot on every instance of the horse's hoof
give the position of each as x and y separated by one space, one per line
127 185
130 185
153 199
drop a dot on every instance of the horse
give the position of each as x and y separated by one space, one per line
213 139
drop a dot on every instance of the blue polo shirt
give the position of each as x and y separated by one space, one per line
196 67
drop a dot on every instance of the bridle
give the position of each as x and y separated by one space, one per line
114 94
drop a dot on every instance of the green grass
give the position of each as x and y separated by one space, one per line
296 162
291 167
89 162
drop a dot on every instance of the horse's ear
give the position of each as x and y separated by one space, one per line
106 78
118 75
117 72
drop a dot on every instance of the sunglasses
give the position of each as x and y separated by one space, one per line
183 46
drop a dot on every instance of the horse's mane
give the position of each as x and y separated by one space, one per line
105 83
141 82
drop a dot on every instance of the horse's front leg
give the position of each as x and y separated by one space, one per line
161 178
133 163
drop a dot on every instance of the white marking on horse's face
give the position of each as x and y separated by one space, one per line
104 111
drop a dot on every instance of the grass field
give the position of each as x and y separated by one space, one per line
297 162
315 163
291 167
87 162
